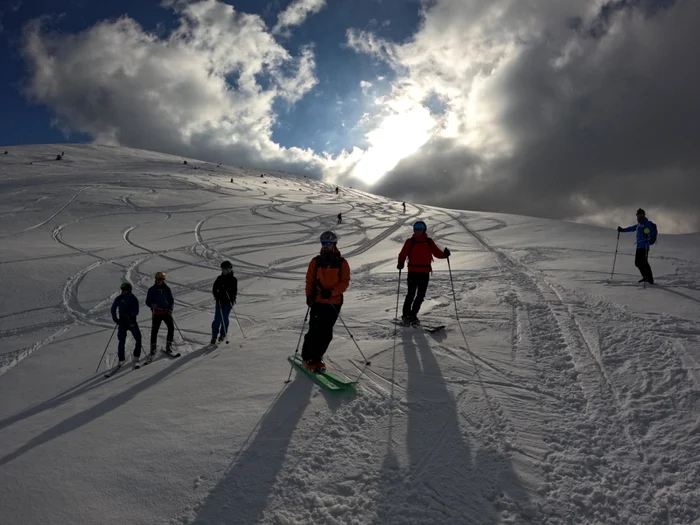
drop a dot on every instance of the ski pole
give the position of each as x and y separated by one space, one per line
308 308
454 298
454 295
396 315
615 258
178 329
106 347
367 363
234 314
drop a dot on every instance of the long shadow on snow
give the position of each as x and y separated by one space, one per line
446 481
103 407
241 496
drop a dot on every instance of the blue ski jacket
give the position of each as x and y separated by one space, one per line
160 298
128 307
644 231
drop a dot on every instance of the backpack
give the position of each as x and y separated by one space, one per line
653 234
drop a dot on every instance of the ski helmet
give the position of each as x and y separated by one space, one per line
329 236
226 265
160 276
126 286
420 225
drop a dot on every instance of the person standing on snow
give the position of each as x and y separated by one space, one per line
404 206
419 250
225 290
127 306
340 218
646 236
327 278
160 300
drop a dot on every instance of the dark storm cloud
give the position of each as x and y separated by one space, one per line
597 124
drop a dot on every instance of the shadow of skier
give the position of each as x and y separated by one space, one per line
445 481
94 412
241 496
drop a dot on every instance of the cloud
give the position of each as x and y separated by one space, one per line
559 108
297 12
206 90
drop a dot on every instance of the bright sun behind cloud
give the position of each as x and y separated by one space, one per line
397 137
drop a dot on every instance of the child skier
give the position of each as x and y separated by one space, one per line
327 277
225 290
160 300
646 236
419 250
127 306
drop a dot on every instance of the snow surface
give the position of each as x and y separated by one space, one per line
560 397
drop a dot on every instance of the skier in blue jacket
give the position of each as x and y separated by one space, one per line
127 306
160 300
646 236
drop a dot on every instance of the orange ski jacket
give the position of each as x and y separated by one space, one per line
328 271
420 250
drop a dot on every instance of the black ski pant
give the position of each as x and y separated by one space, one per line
155 326
417 286
121 337
322 318
641 261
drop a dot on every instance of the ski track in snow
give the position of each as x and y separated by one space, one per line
547 404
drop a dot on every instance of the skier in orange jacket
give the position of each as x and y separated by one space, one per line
327 277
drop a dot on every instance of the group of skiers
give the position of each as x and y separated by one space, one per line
327 279
125 310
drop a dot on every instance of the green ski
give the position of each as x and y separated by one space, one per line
327 380
342 383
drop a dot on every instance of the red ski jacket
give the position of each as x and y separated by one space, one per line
420 250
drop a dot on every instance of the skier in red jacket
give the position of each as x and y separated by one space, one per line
419 250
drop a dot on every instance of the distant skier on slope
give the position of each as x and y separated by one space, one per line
404 206
340 218
646 236
127 306
160 300
337 189
419 250
327 278
225 290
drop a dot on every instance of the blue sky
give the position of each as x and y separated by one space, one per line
570 109
322 121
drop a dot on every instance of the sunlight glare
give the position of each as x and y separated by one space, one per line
397 137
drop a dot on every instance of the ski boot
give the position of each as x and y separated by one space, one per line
136 362
311 365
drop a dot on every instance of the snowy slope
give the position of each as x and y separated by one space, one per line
560 397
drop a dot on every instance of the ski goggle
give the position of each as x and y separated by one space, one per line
327 243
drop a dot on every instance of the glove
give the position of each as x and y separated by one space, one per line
619 228
326 293
447 251
399 266
310 300
116 321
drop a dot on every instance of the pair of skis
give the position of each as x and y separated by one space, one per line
426 328
325 379
137 365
